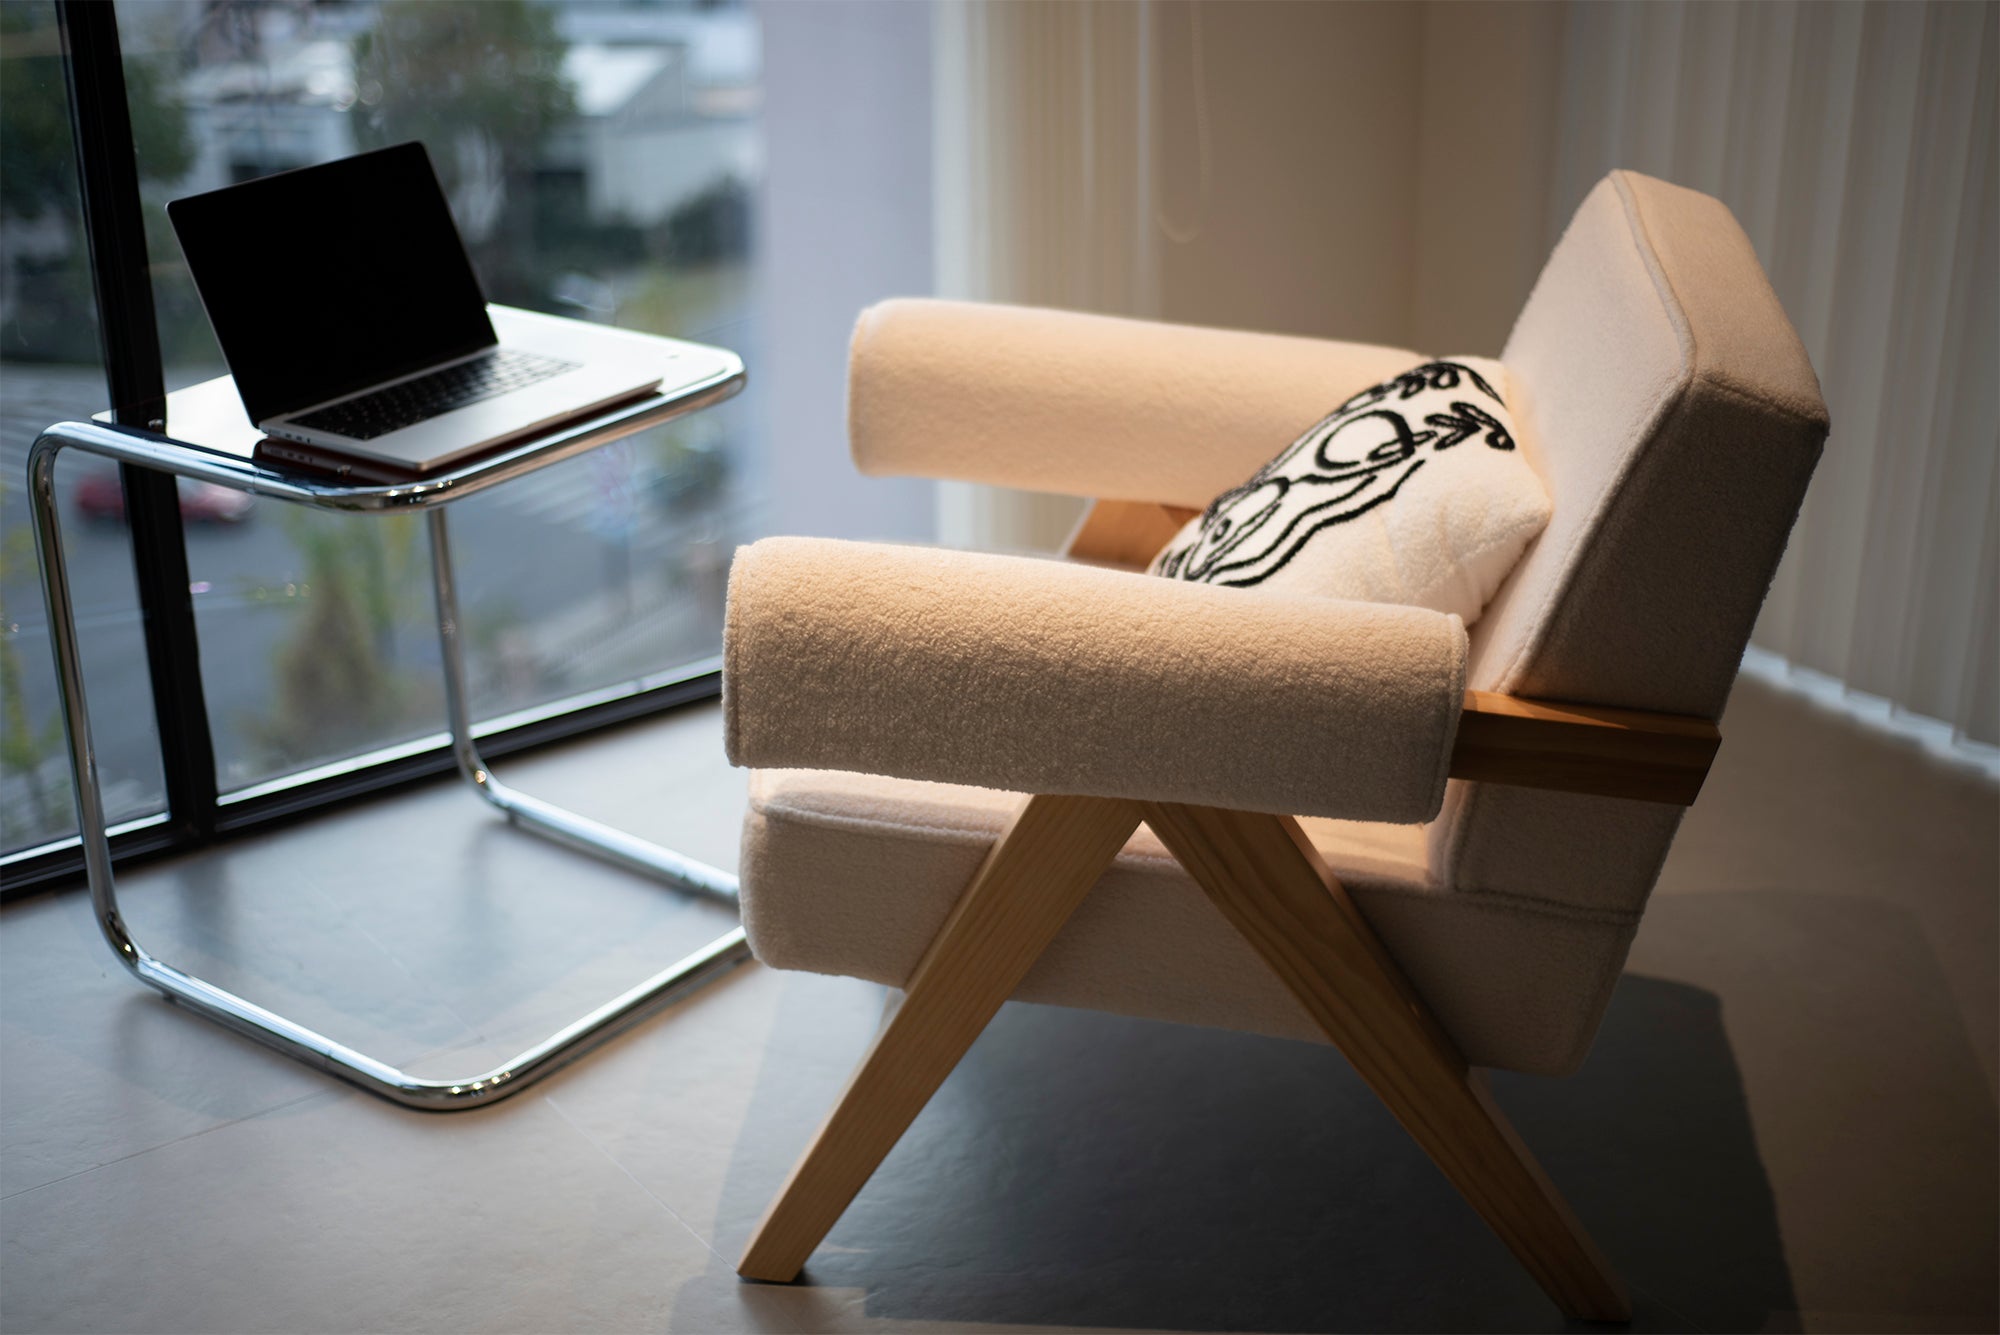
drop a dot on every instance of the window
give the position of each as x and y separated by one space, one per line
605 161
49 371
600 160
602 163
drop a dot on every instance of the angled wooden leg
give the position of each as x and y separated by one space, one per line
1031 882
1270 882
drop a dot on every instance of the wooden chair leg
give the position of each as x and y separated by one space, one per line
1270 882
1030 883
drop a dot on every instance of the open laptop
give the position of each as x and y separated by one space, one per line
356 331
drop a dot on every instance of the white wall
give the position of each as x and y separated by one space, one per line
844 220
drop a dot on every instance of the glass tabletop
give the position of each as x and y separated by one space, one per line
208 436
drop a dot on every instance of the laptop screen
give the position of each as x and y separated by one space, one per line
329 279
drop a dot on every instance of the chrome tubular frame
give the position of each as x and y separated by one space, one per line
150 450
552 822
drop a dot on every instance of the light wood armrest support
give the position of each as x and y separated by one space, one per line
1583 749
1125 534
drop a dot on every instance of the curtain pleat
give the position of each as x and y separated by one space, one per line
1857 145
1043 194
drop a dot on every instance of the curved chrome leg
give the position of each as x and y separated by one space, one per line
274 1030
554 822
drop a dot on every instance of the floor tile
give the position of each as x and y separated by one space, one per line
342 1213
698 1072
1805 800
98 1067
1872 1121
1788 1122
1084 1171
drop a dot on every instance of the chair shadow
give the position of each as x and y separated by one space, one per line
1087 1170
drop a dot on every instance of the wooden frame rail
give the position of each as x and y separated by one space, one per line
1583 748
1265 876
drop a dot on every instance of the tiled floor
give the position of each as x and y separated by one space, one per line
1788 1121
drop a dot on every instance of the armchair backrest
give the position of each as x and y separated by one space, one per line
1671 410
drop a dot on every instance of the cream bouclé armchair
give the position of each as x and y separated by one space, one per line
981 777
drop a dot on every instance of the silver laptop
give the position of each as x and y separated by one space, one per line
355 329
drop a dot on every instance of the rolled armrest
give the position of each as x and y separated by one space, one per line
1039 676
1089 405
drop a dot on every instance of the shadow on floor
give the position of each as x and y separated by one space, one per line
1088 1170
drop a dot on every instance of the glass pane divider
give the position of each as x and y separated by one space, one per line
121 280
71 843
440 741
61 861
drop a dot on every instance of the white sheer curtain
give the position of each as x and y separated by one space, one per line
1042 160
1042 173
1856 142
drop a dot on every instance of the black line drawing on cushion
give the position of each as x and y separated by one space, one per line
1431 375
1465 420
1354 459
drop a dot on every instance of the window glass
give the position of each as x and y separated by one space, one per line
601 160
50 372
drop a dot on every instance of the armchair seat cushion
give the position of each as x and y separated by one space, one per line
853 874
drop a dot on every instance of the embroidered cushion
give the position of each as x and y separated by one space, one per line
1410 492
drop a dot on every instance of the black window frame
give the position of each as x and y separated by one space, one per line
196 813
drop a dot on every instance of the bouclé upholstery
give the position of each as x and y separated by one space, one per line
1040 676
1663 401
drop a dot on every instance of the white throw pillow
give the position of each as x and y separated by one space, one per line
1411 492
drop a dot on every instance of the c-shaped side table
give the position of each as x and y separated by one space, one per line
212 402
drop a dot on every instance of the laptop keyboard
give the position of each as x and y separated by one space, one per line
397 406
